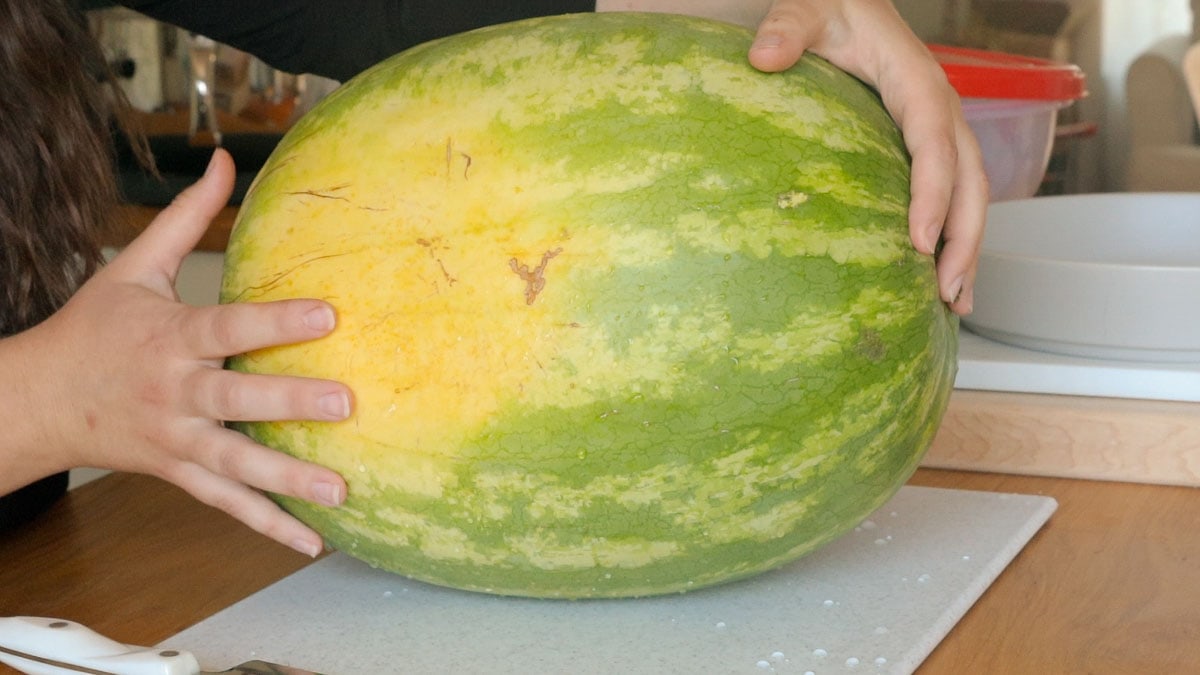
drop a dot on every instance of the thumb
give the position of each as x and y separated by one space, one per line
783 36
157 253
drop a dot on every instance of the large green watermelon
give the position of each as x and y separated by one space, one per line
622 315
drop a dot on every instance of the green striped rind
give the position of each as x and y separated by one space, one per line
757 361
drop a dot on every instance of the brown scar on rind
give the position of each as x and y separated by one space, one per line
534 279
277 278
429 246
450 159
326 193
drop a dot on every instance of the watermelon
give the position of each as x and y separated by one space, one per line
623 316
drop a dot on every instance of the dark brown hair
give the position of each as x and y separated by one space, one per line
57 175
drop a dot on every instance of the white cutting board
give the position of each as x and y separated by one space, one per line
878 600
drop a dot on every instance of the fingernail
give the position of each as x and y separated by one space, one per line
329 494
306 547
955 289
212 161
335 406
767 41
321 319
968 302
931 238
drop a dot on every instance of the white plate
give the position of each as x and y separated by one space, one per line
1110 276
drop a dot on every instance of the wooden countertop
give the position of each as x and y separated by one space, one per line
131 219
1110 585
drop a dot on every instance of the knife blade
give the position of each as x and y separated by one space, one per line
42 646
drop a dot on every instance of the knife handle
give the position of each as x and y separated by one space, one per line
38 646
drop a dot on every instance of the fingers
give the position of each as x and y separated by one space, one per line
218 331
949 185
235 456
230 396
156 254
215 332
949 198
929 136
963 233
230 493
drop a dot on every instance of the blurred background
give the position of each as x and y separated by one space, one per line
1134 130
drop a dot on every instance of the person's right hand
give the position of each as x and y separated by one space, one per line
869 39
135 381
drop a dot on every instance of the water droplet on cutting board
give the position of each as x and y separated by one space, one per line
820 653
852 662
924 578
880 661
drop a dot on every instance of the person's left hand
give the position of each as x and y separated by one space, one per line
868 39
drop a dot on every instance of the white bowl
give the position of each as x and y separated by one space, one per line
1108 276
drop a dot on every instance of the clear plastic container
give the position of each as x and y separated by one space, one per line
1011 102
1016 138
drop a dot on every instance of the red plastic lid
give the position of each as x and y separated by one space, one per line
977 73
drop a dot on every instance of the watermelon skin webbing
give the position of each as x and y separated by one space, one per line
622 315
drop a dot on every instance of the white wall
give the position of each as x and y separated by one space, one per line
1128 28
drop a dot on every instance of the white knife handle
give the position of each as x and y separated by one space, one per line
38 646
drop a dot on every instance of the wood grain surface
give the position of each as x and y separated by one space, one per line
131 219
1070 436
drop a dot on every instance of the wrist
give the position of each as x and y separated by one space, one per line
34 445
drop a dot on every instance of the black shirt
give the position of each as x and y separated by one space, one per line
339 38
17 508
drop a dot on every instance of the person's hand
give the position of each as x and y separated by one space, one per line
139 382
868 39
